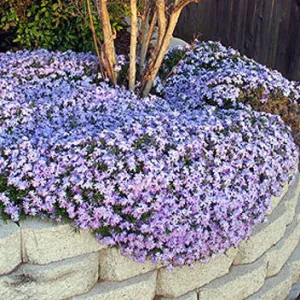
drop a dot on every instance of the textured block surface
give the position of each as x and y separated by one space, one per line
181 280
10 246
58 280
138 288
276 287
63 240
240 283
264 236
116 267
278 255
189 296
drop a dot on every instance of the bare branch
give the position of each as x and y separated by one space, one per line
145 43
153 66
92 27
183 3
162 21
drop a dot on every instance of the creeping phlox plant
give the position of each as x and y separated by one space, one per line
156 181
210 73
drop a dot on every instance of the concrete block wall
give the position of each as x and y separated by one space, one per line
40 260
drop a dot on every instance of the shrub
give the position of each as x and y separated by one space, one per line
51 25
173 184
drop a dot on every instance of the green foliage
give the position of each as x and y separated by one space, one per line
53 25
171 60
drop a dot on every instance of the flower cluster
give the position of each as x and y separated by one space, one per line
173 185
211 73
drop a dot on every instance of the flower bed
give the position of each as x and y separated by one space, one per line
79 267
157 179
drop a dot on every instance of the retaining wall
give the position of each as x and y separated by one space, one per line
40 260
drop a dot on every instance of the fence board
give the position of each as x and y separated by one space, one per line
266 30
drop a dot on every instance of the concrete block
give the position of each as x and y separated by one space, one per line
116 267
10 246
294 293
181 280
276 200
264 236
279 254
64 242
277 287
137 288
58 280
294 262
291 199
189 296
240 283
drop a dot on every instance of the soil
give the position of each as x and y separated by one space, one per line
122 42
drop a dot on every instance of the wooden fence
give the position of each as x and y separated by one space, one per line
266 30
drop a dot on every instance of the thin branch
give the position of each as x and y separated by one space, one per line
153 67
92 27
162 21
146 39
181 4
144 34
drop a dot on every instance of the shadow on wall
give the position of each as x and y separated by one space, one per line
266 30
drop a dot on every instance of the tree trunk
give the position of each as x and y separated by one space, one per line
146 39
108 52
133 44
152 69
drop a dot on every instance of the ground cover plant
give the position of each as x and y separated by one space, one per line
171 178
213 74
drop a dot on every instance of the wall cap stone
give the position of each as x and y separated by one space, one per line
116 267
276 287
241 282
10 246
181 280
64 240
279 254
58 280
132 289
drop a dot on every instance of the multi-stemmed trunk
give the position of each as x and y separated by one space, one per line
164 14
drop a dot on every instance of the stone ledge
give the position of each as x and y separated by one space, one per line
276 200
190 296
10 246
174 283
278 255
116 267
291 199
132 289
65 242
241 282
277 287
294 292
294 262
58 280
264 236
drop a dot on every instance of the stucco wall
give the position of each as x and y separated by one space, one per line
41 260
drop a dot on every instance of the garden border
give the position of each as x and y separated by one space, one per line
41 260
